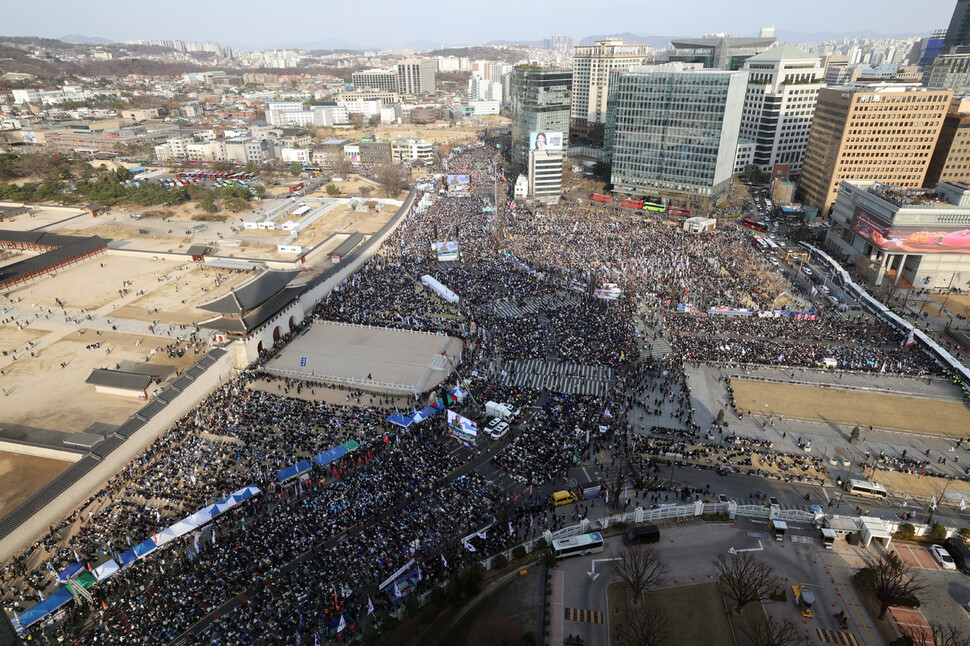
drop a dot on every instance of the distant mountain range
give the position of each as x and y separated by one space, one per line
334 43
781 35
81 39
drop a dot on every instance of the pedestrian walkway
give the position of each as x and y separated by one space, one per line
570 378
530 305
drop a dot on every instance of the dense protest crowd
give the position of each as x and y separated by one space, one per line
311 553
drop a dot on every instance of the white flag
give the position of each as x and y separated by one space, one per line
511 531
444 561
470 548
397 590
370 606
481 534
963 504
933 502
342 624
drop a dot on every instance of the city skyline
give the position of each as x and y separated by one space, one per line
393 24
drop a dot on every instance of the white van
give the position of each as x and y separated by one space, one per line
501 411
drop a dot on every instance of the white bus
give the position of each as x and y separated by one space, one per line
865 488
578 545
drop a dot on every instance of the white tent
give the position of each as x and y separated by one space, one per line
439 289
105 570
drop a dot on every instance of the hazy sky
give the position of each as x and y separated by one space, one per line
269 23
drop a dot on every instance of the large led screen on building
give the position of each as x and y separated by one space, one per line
545 141
930 238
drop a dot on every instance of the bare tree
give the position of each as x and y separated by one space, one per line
341 167
391 178
889 579
774 632
939 635
746 578
647 626
639 568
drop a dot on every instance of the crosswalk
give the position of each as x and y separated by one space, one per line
530 305
836 637
588 616
658 349
570 378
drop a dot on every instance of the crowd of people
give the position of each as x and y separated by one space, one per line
307 556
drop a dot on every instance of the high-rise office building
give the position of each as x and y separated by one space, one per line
884 132
951 71
416 76
592 65
541 100
958 33
951 157
783 85
673 129
718 51
385 80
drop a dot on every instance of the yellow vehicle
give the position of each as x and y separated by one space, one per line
563 498
804 600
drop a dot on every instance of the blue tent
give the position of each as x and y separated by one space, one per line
293 470
127 558
400 420
327 457
425 413
45 607
145 548
69 571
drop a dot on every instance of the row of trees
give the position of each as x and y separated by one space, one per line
746 579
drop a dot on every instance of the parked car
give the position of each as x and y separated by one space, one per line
499 431
941 556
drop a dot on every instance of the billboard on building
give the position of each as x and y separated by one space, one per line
447 250
545 141
459 185
462 429
929 238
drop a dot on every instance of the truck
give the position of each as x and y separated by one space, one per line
804 600
501 411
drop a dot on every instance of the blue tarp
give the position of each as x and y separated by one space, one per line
327 457
293 470
400 420
69 571
145 548
45 607
425 413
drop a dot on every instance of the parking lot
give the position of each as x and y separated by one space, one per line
917 556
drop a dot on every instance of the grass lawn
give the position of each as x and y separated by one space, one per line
849 407
696 614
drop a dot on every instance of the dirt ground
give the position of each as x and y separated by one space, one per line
845 407
22 475
37 219
176 301
90 286
13 339
435 133
43 393
916 485
959 305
